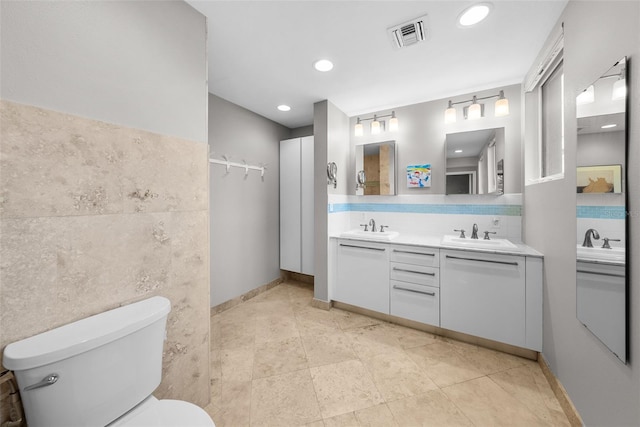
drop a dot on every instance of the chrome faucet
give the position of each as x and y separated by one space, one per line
372 223
474 231
587 237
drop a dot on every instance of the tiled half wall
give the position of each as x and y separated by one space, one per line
95 216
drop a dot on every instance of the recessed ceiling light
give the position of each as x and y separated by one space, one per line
284 107
323 65
474 14
608 126
458 151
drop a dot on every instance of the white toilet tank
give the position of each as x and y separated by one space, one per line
90 372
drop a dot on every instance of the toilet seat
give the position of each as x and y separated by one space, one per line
164 413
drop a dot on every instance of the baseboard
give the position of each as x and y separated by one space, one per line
323 305
561 394
245 297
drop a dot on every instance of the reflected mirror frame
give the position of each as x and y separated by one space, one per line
624 358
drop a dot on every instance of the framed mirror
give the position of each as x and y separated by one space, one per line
475 162
376 169
601 254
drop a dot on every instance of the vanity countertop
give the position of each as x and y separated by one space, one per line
434 241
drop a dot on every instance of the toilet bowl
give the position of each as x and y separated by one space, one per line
100 371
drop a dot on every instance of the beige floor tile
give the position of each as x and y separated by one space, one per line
318 423
279 357
376 416
328 348
215 405
429 409
344 387
485 403
215 333
534 392
237 333
347 320
235 405
344 420
314 321
397 376
369 341
215 359
409 338
443 364
486 360
284 400
276 327
237 363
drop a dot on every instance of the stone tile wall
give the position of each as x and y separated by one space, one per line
95 216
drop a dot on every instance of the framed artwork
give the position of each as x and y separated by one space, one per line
419 176
599 179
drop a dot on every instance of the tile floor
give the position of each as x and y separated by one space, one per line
277 361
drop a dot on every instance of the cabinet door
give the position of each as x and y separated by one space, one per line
483 295
363 275
290 202
306 207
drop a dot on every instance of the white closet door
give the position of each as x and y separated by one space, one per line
308 224
290 203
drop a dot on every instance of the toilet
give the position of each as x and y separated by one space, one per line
100 371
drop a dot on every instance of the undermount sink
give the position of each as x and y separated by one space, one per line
370 235
601 254
478 243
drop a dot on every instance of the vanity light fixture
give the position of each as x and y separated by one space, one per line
474 14
377 125
476 109
284 107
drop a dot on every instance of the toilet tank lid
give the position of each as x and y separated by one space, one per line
83 335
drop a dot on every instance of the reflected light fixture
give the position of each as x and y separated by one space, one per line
284 107
377 125
457 151
476 109
619 88
587 96
608 126
474 14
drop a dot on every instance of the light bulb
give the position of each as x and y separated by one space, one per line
375 126
393 122
502 106
450 114
475 111
358 129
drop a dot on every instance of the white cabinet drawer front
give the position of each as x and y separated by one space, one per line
415 302
427 257
484 295
415 274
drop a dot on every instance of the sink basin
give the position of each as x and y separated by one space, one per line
370 235
479 243
600 254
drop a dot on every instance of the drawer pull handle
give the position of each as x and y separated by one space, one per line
484 260
413 271
413 253
400 288
601 273
363 247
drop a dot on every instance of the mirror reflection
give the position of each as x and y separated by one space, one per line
375 169
475 162
601 288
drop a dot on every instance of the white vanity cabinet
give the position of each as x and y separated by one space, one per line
414 281
492 296
362 275
296 205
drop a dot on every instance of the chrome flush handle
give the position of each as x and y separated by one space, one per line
50 379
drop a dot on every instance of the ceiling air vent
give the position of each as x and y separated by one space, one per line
409 33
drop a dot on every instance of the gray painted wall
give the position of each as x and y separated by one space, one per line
245 224
604 391
140 67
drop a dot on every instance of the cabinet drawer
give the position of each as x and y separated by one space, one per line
415 302
427 257
415 274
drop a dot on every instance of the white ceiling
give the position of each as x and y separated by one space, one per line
261 53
